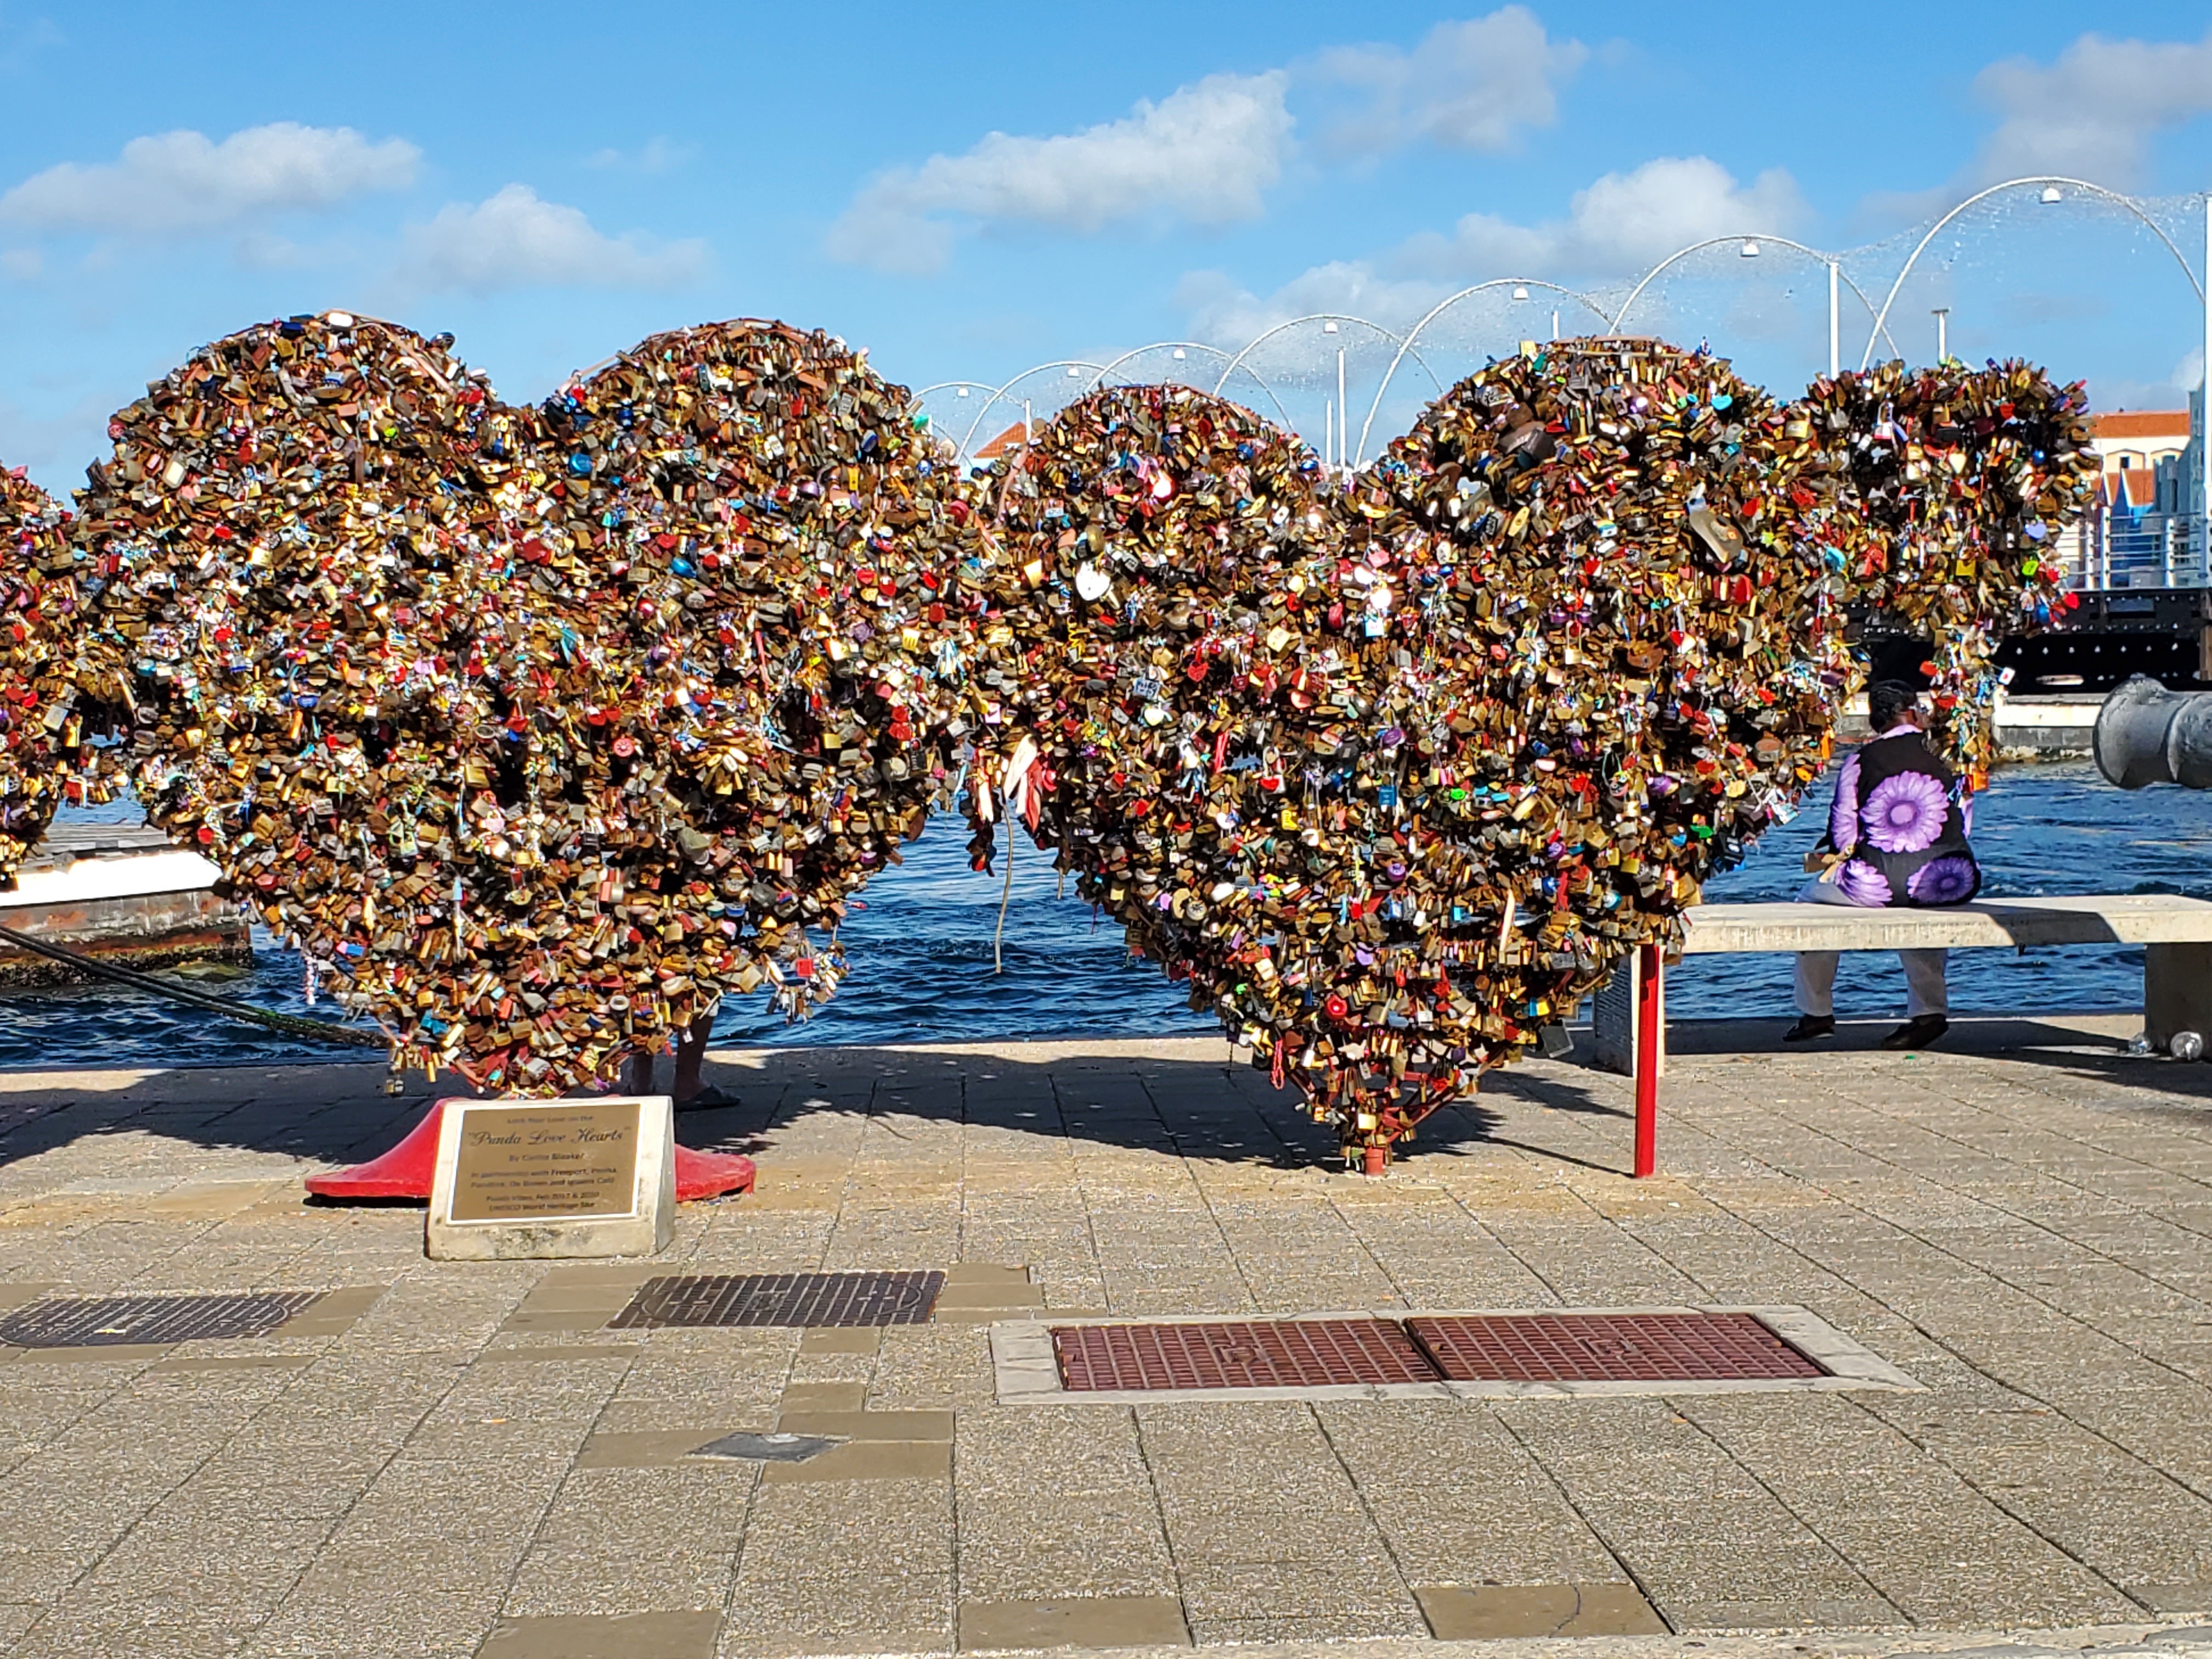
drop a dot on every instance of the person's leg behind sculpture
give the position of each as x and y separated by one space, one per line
690 1092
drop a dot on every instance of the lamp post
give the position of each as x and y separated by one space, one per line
1835 321
1343 421
1942 315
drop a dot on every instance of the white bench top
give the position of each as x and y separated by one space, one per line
2095 919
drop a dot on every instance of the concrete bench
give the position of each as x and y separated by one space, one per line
1629 1014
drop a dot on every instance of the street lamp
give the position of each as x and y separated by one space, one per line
1748 251
1942 315
1520 293
2052 193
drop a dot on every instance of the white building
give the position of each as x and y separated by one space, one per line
2139 531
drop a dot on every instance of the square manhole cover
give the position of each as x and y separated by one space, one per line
813 1300
100 1322
1249 1353
1570 1348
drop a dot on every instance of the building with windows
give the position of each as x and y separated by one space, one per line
2141 530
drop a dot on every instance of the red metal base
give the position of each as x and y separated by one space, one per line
404 1171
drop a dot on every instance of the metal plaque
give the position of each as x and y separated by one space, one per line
564 1159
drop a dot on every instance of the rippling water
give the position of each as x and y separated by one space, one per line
920 950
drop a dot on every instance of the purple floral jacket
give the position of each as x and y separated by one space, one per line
1891 831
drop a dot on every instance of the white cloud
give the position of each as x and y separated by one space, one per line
22 265
654 156
514 239
179 183
2092 114
1623 223
1223 312
1618 227
1204 154
1469 85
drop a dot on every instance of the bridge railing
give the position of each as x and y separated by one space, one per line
2123 550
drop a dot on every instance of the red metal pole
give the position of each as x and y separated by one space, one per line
1649 1022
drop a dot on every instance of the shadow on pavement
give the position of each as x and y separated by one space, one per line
1185 1096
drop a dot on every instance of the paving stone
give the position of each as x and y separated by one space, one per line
1091 1621
851 1567
1493 1611
685 1635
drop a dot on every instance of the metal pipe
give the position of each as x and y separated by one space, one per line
2147 734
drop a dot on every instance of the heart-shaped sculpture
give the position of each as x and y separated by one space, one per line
1328 769
542 729
1957 483
449 691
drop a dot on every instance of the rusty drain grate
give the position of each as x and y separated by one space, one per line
1428 1349
1650 1347
813 1300
102 1321
1255 1353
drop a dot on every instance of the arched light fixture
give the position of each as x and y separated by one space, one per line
1328 328
1180 354
1748 251
2052 193
1520 293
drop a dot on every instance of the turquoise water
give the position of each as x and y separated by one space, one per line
922 950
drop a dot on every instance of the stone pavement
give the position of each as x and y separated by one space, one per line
450 1458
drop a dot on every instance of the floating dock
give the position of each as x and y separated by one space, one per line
120 893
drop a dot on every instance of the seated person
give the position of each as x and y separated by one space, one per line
1897 835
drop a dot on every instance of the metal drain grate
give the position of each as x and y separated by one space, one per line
102 1321
807 1299
1657 1347
1259 1354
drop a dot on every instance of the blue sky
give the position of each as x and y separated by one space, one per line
968 190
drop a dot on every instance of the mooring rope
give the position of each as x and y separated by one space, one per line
292 1024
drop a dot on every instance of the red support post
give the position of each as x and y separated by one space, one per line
1649 1023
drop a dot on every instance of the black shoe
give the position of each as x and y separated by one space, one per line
1811 1028
1918 1032
711 1098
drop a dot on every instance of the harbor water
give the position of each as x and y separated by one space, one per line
921 946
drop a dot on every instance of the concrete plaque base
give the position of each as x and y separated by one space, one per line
519 1179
